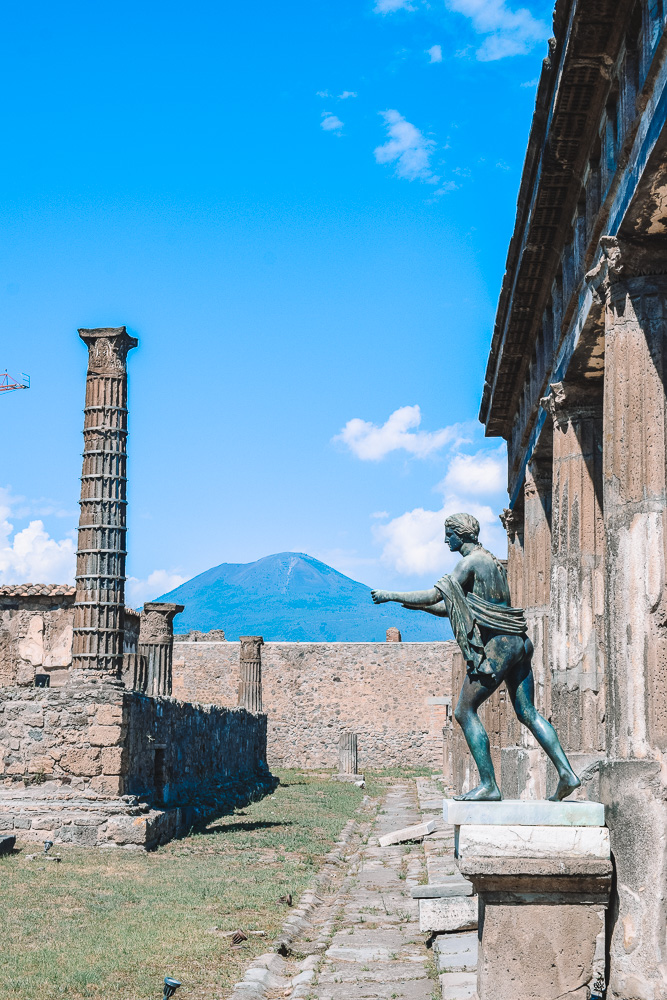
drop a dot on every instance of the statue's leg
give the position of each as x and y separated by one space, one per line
521 687
473 694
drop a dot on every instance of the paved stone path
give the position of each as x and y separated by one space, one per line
362 939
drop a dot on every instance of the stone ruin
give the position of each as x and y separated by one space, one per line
93 748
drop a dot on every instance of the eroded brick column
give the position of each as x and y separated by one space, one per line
97 650
250 681
156 645
576 615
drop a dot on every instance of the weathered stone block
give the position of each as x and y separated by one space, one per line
446 915
523 812
105 736
85 836
415 832
108 715
126 829
533 841
108 784
82 761
114 760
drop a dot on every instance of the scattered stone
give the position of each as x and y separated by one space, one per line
447 915
354 778
417 832
239 936
286 899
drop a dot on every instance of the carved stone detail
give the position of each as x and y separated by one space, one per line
107 349
250 680
566 403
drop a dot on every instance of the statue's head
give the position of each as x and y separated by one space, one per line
460 528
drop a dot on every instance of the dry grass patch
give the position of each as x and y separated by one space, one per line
112 923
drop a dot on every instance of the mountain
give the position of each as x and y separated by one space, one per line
294 598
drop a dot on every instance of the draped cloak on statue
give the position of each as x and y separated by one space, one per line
467 612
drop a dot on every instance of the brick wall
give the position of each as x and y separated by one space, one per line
393 695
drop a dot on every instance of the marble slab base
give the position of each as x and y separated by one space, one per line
533 842
523 812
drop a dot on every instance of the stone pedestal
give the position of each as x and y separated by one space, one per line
542 872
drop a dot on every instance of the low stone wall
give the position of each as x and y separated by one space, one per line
394 695
103 765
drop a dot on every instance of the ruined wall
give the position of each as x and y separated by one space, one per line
105 740
395 696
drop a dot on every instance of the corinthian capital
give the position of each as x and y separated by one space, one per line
108 349
566 403
622 259
511 522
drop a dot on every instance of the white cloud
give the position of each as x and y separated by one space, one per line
346 93
389 6
380 515
371 442
478 474
331 123
407 148
435 52
510 32
323 93
531 83
31 555
156 584
413 543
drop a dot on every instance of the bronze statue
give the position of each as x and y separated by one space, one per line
492 637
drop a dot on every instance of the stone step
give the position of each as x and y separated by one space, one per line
456 952
523 812
458 985
445 889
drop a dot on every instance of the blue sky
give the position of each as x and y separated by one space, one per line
303 214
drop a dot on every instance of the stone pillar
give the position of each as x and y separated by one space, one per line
393 634
576 615
537 574
542 872
250 683
97 649
347 753
512 521
632 280
156 645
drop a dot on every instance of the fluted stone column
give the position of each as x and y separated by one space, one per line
576 617
537 574
250 682
631 279
512 521
347 753
156 645
97 650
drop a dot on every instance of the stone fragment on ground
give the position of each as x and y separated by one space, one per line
416 832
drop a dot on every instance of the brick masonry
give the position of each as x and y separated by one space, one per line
394 695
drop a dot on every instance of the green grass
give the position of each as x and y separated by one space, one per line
113 923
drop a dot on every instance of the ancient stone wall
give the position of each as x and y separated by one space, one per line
111 766
394 695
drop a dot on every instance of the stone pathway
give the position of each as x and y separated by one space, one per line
361 934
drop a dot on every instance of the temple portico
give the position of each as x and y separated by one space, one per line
576 384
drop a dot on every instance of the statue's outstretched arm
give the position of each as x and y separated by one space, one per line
418 598
439 609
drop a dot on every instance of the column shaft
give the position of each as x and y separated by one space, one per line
347 753
250 681
156 646
97 650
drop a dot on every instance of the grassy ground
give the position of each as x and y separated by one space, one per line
113 923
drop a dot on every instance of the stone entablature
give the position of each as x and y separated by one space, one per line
594 131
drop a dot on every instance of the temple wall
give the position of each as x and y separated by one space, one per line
394 695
